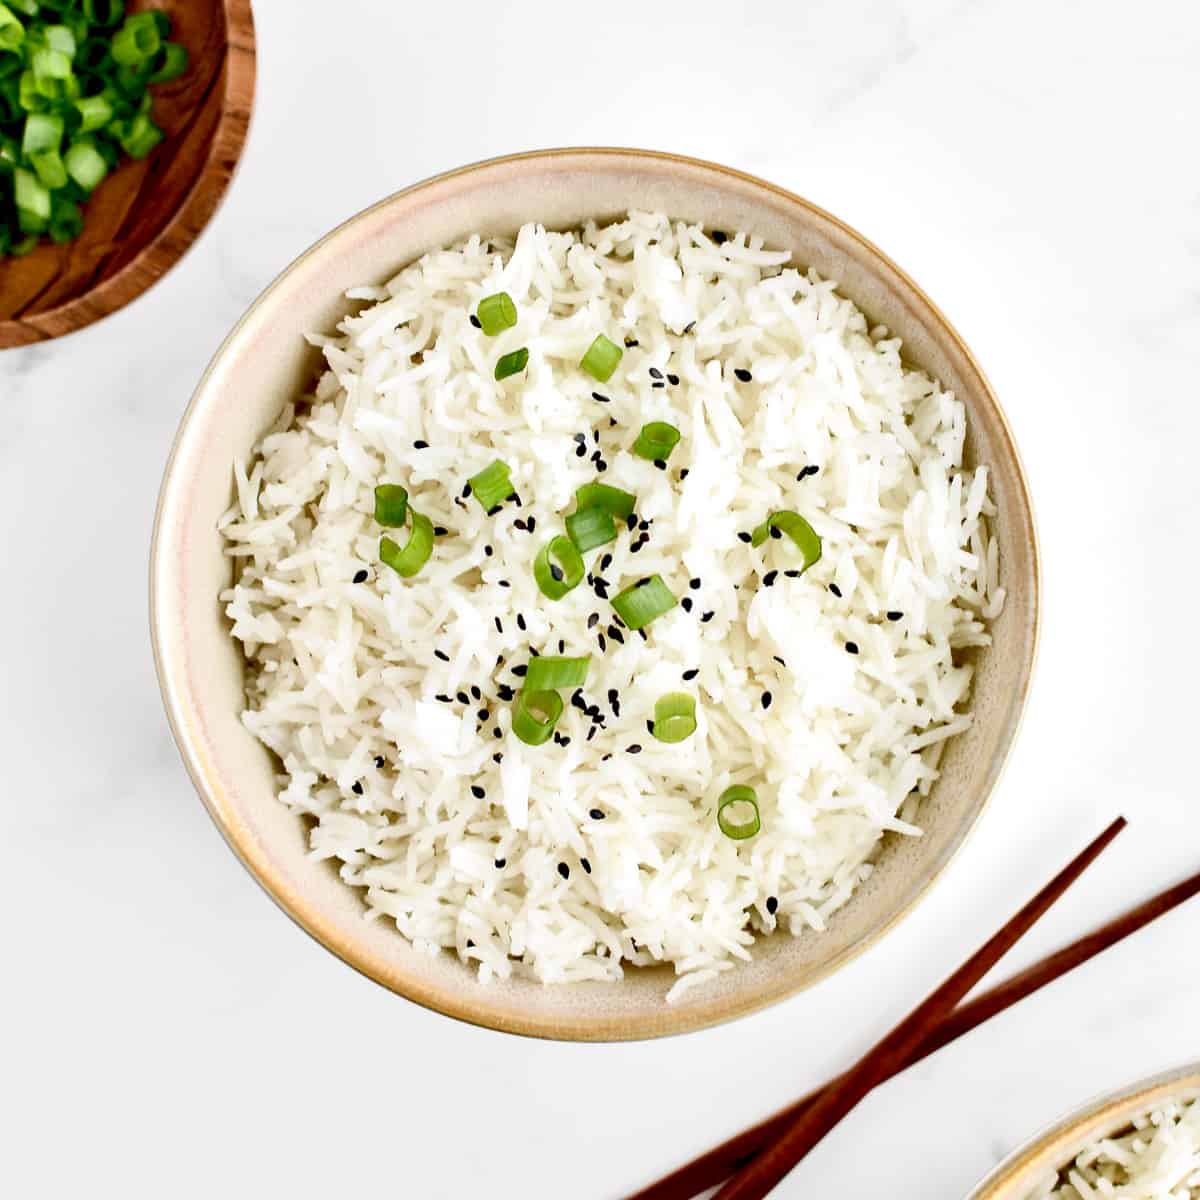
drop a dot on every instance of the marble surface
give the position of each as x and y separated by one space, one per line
167 1032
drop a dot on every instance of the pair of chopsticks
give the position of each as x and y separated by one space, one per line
756 1159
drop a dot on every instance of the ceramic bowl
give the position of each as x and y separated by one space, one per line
1056 1147
265 360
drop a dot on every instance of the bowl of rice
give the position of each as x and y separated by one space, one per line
1142 1143
594 593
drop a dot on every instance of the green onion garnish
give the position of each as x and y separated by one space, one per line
496 313
408 559
589 528
737 812
391 505
637 606
535 715
74 76
601 358
492 485
674 717
656 441
549 672
556 578
600 495
512 364
797 528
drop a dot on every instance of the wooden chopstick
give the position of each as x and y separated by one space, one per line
710 1168
888 1055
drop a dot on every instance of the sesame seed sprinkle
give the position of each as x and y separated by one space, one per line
477 791
360 577
837 591
851 647
743 375
691 673
765 699
357 788
894 615
420 445
564 870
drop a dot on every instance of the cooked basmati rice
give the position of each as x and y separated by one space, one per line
1158 1158
833 694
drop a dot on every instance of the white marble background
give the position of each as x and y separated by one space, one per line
167 1032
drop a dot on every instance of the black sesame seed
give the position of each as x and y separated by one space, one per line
581 438
694 583
606 562
520 670
661 463
521 622
379 761
765 699
488 551
743 536
631 522
475 321
776 532
772 904
893 615
505 692
643 635
779 660
643 525
601 466
580 451
587 866
440 531
477 791
686 604
498 757
811 469
476 692
463 698
556 573
689 327
719 236
605 758
494 510
360 577
673 380
499 625
708 616
616 635
519 523
659 384
603 643
564 870
743 374
483 714
534 652
600 397
792 574
466 492
500 863
837 591
769 578
591 733
442 697
851 647
496 733
596 814
655 373
356 788
420 445
630 343
691 673
634 749
684 473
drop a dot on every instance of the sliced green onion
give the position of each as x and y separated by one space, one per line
492 485
549 672
637 606
512 364
140 137
611 499
797 528
589 528
391 505
656 441
169 63
737 812
674 717
601 358
42 132
136 40
496 313
12 32
28 7
60 38
50 169
556 578
66 219
535 715
103 12
32 199
85 164
414 554
95 112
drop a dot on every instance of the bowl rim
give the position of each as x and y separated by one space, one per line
475 1010
1052 1147
196 209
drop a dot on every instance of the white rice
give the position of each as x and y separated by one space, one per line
343 674
1158 1158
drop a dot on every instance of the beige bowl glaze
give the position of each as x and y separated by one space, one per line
1057 1146
264 361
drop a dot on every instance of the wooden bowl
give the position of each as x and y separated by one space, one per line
265 361
1014 1178
141 220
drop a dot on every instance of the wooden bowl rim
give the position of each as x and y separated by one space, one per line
190 219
